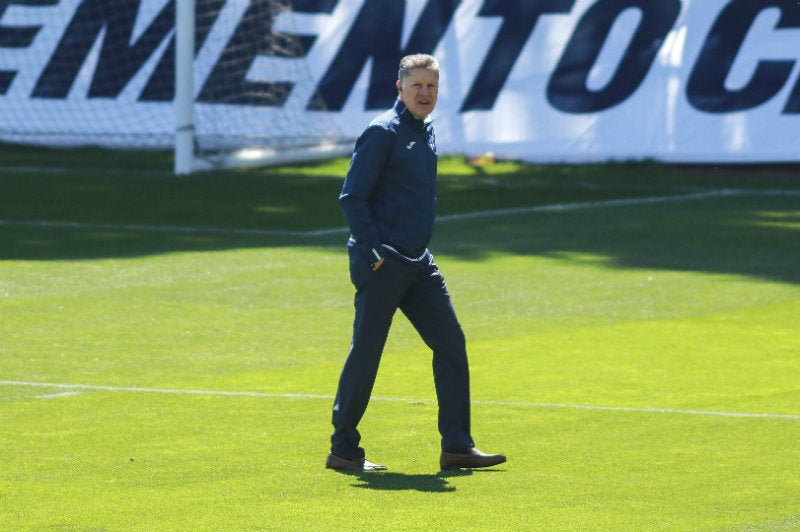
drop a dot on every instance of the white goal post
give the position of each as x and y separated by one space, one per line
184 86
217 135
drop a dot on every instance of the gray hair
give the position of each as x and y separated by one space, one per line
410 62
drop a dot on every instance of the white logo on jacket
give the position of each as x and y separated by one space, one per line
411 144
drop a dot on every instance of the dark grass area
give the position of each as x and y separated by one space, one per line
108 191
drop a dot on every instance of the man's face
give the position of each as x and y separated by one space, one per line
419 91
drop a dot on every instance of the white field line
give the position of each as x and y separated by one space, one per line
166 228
61 394
77 388
94 169
558 207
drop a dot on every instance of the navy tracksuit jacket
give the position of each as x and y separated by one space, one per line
389 195
389 201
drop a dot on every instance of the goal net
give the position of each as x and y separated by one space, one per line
223 82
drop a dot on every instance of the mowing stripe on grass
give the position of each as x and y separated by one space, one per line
558 207
58 395
514 404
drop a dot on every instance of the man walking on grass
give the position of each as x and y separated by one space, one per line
389 200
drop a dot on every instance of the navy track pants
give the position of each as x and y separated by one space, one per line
418 290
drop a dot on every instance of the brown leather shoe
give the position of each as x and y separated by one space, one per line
356 464
471 459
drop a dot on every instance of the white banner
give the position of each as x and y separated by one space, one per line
538 80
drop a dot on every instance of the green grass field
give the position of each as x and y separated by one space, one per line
169 348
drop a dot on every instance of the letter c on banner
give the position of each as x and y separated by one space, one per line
706 89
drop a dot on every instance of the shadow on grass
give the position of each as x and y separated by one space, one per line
750 234
138 214
393 481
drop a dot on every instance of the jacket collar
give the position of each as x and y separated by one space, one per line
407 118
